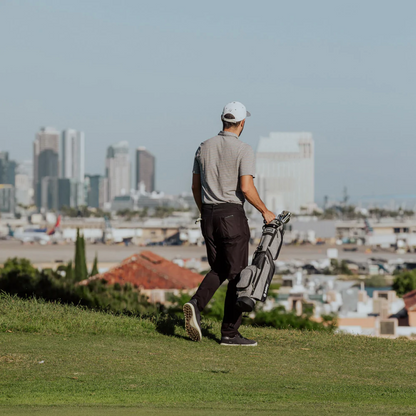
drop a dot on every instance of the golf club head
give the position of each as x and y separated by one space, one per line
284 217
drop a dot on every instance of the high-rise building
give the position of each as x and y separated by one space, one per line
7 199
95 190
56 193
65 193
45 159
11 172
7 169
117 167
73 164
73 155
4 162
24 183
145 169
24 190
285 171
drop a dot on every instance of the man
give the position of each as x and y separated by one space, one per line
222 180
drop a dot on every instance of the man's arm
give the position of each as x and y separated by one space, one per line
196 190
252 196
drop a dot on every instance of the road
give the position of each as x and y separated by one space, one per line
115 253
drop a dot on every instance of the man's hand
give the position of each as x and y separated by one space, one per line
268 216
252 196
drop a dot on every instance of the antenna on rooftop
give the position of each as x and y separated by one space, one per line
325 202
346 196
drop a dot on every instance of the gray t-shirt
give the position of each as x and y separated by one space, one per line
221 161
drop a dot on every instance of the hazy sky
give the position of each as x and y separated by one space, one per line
158 73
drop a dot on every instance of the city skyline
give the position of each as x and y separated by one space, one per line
59 178
22 170
345 76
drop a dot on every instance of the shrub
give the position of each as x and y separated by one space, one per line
279 318
276 318
214 309
405 282
19 277
338 268
376 281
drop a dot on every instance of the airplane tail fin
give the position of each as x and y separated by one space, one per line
58 223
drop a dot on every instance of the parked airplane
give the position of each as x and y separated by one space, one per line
113 235
35 235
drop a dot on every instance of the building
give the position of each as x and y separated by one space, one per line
73 164
359 310
7 169
48 167
153 275
145 169
285 171
24 183
48 192
384 232
77 193
117 167
7 199
56 193
25 168
73 155
24 190
45 159
123 202
94 185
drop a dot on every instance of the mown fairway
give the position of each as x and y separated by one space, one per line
60 360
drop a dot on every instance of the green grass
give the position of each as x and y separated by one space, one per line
99 364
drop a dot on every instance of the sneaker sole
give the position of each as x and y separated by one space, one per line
191 324
239 345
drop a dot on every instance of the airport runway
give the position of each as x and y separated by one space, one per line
115 253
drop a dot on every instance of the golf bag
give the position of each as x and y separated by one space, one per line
255 279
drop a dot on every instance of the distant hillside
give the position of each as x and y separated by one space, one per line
68 358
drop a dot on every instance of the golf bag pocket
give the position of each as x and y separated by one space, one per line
265 273
247 278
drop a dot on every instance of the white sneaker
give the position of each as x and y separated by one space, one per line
192 320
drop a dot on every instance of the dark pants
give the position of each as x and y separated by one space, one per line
226 233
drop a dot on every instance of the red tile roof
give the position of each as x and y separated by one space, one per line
147 270
410 300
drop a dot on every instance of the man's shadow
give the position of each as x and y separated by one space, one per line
166 324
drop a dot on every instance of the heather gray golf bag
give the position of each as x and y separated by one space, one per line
255 279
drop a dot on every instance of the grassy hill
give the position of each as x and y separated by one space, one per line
63 360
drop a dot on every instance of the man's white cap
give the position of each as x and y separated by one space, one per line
237 109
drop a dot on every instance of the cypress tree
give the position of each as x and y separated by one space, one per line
77 260
84 259
94 270
69 272
80 263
